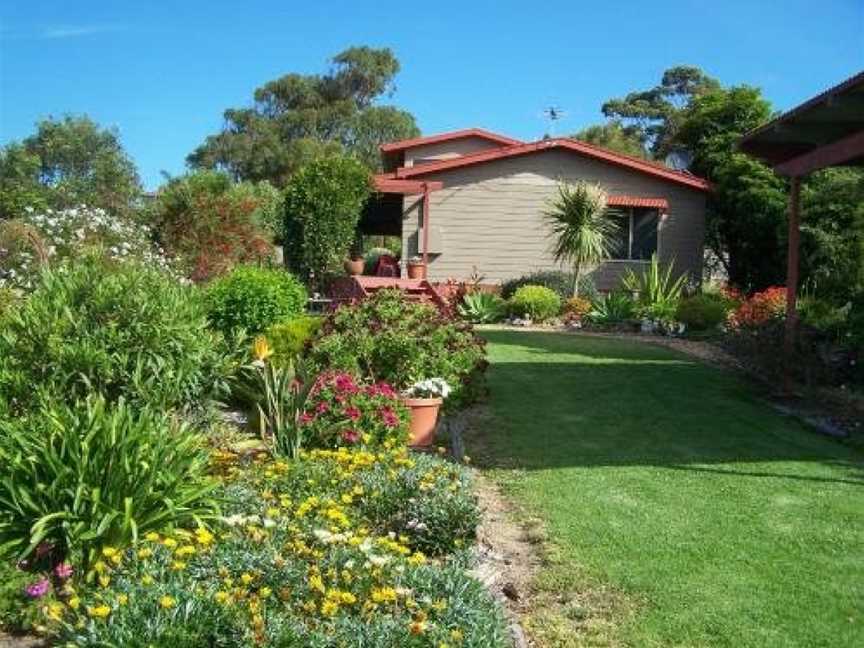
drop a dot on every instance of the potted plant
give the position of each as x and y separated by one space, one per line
416 268
355 262
424 400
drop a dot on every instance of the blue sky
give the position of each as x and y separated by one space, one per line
163 72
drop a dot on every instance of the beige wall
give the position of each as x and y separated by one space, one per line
448 150
489 215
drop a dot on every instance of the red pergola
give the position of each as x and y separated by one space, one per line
825 131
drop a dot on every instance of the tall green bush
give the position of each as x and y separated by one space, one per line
323 202
559 281
88 475
118 329
388 338
252 299
288 338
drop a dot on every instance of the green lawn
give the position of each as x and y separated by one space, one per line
661 480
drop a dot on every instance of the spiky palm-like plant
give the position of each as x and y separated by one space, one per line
581 226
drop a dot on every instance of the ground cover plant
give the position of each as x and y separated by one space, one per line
338 547
388 338
682 510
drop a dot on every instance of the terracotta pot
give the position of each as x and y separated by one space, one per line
416 270
424 420
354 266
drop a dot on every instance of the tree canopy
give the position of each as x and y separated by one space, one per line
67 162
653 115
613 136
298 118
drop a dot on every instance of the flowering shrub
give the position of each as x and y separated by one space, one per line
761 308
66 233
307 555
386 337
341 412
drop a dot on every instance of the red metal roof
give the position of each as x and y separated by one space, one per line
636 164
446 137
637 201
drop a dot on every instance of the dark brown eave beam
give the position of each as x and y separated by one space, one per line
836 153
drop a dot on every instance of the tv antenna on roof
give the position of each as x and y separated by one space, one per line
553 114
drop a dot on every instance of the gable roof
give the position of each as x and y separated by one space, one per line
446 137
575 146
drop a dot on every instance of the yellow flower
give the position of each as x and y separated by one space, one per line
221 597
145 553
347 598
122 599
54 611
417 627
185 550
109 552
383 594
74 602
265 592
104 580
329 608
147 579
316 583
417 558
178 565
167 602
456 635
439 605
204 537
100 567
152 536
98 612
169 542
261 348
246 578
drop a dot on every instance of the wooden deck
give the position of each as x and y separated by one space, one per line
360 287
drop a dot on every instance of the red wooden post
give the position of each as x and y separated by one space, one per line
426 228
792 283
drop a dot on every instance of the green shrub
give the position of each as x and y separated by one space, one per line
85 476
252 299
388 338
612 308
535 302
702 312
482 308
323 202
9 299
559 281
121 330
289 338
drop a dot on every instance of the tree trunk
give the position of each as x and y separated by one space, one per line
577 274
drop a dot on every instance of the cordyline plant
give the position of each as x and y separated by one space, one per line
581 225
658 290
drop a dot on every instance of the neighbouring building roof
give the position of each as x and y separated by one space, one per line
826 130
446 137
521 148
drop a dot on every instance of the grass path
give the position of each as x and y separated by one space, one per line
719 521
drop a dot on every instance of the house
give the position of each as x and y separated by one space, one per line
473 198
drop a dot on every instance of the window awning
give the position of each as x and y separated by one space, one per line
638 201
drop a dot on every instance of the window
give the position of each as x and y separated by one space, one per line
636 236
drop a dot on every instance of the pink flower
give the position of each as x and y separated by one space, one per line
386 390
306 417
352 413
350 436
345 383
38 589
63 571
389 417
322 407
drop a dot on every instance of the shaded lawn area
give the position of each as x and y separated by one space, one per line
725 523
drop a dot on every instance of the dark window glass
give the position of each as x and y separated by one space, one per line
620 247
644 234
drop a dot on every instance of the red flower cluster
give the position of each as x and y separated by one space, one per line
761 308
343 412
